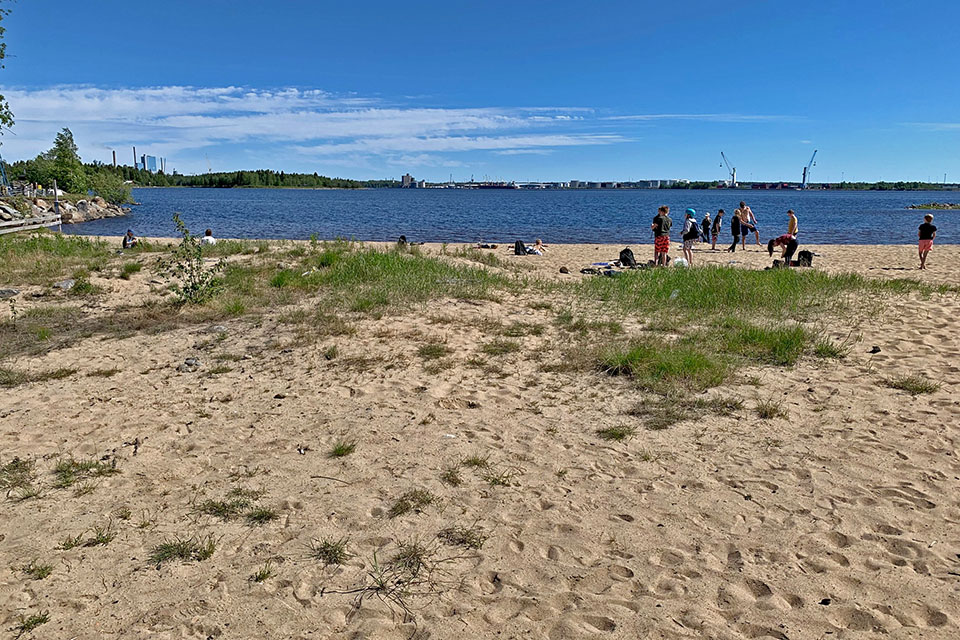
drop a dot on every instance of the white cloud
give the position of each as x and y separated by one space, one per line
234 124
704 117
935 126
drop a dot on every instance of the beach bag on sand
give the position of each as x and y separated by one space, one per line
805 259
627 259
519 249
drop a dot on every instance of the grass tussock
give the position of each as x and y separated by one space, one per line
500 347
468 537
13 378
617 434
186 550
433 351
915 385
662 412
342 448
414 501
770 408
263 573
330 551
26 624
17 476
71 471
35 570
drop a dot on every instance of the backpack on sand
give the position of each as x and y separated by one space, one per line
805 259
627 259
519 249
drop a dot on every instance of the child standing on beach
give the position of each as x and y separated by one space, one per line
690 234
926 233
717 227
661 235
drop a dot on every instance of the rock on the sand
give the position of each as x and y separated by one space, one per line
8 293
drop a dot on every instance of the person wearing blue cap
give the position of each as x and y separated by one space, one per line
691 231
130 240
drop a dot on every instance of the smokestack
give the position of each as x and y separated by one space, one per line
134 157
114 158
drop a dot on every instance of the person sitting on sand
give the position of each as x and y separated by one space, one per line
926 233
690 234
129 240
793 226
661 235
789 244
717 227
208 237
538 248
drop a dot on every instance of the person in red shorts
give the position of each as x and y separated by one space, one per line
661 235
926 233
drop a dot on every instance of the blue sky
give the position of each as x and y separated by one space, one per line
522 90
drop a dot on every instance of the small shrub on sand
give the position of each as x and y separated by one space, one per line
476 461
915 385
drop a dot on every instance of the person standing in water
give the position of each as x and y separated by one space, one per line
717 227
926 233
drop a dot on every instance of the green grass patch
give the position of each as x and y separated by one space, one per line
500 347
915 385
192 549
130 268
330 551
773 344
44 256
433 351
261 515
703 291
665 367
343 448
26 624
616 434
35 570
769 408
13 378
414 500
68 472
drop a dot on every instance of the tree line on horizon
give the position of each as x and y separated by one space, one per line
62 163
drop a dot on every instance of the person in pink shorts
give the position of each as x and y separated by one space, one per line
927 232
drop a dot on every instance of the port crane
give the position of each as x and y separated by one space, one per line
731 171
806 170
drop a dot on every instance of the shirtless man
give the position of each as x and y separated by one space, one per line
748 223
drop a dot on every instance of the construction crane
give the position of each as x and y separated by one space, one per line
806 170
732 171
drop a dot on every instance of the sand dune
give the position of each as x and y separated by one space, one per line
838 521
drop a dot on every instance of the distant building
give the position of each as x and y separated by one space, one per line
407 181
148 163
574 184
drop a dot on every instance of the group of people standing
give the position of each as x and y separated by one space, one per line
742 224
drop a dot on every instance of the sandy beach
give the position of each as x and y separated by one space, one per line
835 517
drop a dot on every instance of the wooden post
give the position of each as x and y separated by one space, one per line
56 206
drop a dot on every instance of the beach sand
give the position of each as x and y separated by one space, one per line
837 521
